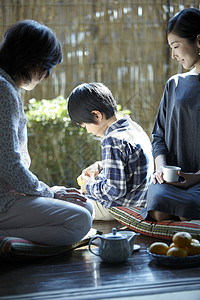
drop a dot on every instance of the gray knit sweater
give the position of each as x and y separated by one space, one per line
15 176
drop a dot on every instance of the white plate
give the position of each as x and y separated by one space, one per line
136 247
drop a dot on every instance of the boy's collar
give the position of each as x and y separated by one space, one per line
115 125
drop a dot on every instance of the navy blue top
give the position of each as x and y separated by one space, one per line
176 131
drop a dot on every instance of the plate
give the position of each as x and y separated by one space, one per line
136 247
171 261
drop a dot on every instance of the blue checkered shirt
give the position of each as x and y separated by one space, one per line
126 166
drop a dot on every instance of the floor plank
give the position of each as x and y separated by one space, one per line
81 275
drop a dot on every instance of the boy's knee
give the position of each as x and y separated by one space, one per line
90 207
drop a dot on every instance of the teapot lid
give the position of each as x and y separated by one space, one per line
114 235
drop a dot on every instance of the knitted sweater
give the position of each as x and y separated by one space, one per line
15 177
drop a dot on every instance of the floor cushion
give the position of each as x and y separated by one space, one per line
130 217
14 248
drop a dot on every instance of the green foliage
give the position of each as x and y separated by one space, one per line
59 150
48 111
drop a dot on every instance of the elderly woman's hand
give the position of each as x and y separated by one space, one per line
71 195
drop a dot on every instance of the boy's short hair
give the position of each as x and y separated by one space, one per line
88 97
29 47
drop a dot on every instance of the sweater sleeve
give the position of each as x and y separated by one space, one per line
13 172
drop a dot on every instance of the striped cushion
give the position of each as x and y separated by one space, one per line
13 248
130 217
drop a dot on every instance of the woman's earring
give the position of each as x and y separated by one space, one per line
199 51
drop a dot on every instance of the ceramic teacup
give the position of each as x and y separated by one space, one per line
170 173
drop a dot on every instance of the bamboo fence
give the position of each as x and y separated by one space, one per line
120 43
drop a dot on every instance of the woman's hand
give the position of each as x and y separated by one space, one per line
190 180
71 195
160 161
158 176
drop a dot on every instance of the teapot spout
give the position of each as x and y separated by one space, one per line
131 239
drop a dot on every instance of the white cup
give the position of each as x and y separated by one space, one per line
170 173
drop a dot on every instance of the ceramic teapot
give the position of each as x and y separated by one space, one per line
114 247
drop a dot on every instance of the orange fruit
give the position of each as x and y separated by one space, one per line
80 180
171 245
182 239
193 249
159 248
177 252
195 241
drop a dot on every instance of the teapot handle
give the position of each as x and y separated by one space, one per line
90 242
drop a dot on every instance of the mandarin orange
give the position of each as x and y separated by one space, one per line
171 245
159 248
193 249
182 239
177 252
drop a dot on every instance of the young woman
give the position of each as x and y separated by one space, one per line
176 133
28 207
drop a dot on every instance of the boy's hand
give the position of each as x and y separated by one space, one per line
92 171
88 174
85 180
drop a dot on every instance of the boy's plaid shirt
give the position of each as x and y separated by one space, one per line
126 167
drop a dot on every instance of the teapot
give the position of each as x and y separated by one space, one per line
114 247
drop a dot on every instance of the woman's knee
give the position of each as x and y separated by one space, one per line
190 211
76 227
82 222
157 192
159 215
86 219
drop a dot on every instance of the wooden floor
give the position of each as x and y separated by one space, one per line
81 275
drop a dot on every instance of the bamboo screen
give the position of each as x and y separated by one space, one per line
120 43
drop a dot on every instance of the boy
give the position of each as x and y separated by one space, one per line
123 175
